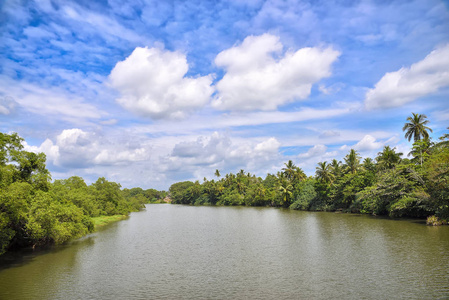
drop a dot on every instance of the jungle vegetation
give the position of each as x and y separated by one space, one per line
393 184
34 211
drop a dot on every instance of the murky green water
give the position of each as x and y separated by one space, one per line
182 252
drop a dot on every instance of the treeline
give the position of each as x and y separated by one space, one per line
390 184
35 211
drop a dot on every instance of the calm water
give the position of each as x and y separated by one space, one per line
182 252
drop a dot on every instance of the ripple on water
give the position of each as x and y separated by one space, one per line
182 252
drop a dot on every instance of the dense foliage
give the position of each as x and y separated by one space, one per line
389 184
35 211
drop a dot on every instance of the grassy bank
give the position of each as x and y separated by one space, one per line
104 220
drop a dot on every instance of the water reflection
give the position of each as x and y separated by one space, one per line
182 252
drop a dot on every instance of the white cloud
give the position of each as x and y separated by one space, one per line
407 84
368 143
109 28
332 89
259 76
269 146
329 133
315 154
317 150
55 101
78 149
218 151
112 156
7 105
203 122
153 83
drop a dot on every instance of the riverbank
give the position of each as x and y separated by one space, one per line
105 220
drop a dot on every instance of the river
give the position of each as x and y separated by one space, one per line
185 252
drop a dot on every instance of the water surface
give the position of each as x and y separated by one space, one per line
184 252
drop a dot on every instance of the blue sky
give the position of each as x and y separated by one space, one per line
149 93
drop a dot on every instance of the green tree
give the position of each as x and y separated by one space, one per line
421 150
299 175
369 165
444 139
10 146
436 174
286 192
178 192
305 199
388 158
324 172
289 170
352 160
398 192
336 168
416 127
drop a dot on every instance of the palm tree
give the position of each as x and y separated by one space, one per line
444 140
299 174
289 170
421 150
388 158
285 188
416 127
369 165
352 161
324 173
217 173
336 167
241 186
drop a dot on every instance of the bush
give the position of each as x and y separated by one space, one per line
305 198
435 221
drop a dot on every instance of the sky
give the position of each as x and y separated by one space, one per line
149 93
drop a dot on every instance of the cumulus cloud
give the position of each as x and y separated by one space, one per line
76 149
407 84
152 83
260 76
219 151
270 146
368 143
317 150
204 150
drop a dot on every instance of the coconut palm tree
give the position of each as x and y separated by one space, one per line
416 127
388 158
369 165
289 170
299 174
217 173
421 150
324 172
444 140
352 161
336 168
286 190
